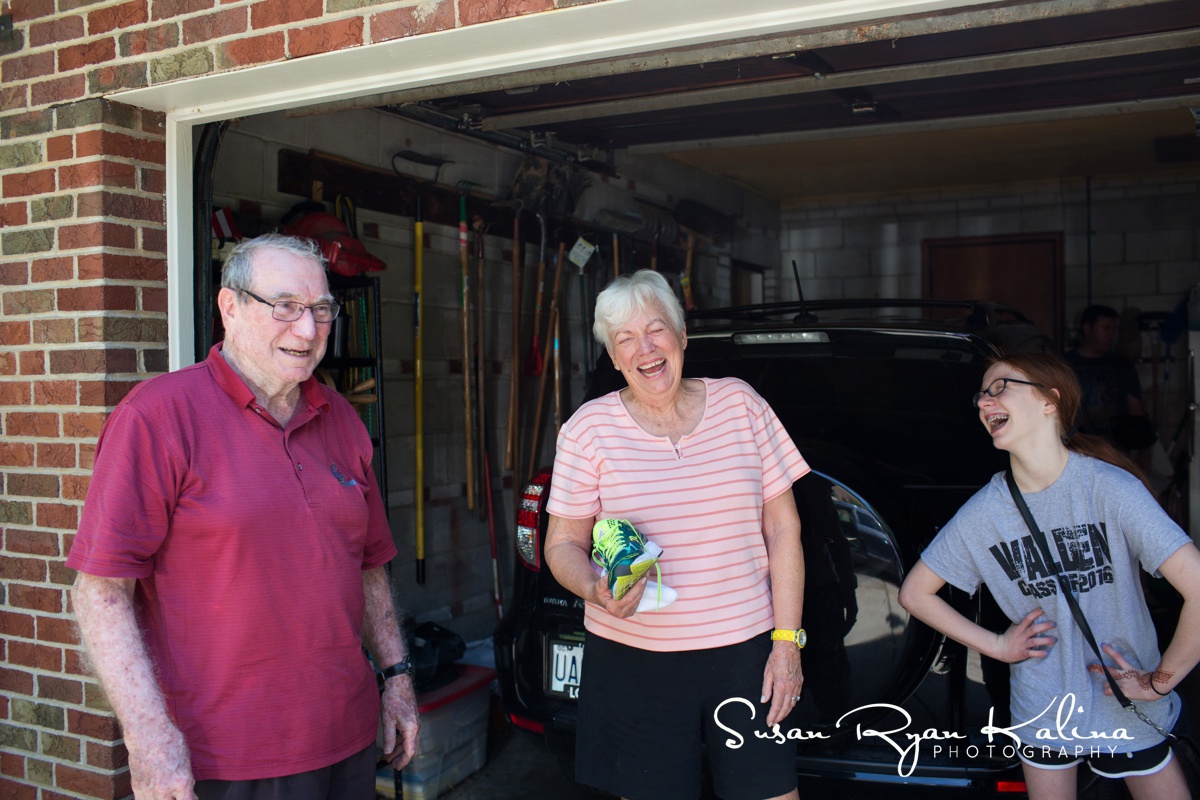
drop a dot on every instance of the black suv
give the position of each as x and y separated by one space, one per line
876 395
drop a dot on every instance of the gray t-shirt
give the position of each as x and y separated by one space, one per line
1100 522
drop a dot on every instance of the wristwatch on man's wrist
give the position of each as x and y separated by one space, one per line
797 637
404 667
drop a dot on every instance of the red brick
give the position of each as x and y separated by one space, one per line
488 10
38 656
59 90
121 206
37 598
271 13
14 333
395 23
21 184
75 486
32 362
104 393
87 458
59 148
55 455
143 41
83 426
98 298
45 270
111 143
104 361
31 570
96 234
12 765
107 756
11 790
84 723
97 51
57 629
50 687
34 543
54 330
125 15
14 273
57 516
13 97
218 25
8 363
25 68
37 301
326 37
16 682
252 50
32 484
34 424
91 784
95 266
168 9
97 173
154 240
63 29
64 576
13 625
153 180
13 214
56 393
16 454
14 393
154 299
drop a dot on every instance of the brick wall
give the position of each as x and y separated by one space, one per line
83 303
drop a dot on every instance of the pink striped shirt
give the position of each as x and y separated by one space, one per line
700 500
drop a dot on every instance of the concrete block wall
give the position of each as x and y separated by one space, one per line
83 304
1145 248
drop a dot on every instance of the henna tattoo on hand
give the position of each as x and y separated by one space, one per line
1163 677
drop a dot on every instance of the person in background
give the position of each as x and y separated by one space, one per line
231 556
1105 527
1109 381
704 469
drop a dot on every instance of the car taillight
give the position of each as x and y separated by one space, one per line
1011 786
528 515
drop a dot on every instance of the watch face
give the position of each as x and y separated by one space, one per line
801 638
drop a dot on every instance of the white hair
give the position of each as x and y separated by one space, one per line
630 295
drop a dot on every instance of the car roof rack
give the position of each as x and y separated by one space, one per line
977 314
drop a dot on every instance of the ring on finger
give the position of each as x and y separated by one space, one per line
795 698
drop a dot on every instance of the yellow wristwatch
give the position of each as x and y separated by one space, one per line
799 638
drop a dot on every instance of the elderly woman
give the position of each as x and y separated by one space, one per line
704 469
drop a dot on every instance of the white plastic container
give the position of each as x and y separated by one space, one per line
453 745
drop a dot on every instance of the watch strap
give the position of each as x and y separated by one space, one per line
404 667
796 637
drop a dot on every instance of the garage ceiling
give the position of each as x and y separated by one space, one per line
1030 91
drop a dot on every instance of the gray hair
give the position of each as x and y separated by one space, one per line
238 270
630 295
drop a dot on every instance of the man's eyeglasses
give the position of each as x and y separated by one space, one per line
290 310
997 387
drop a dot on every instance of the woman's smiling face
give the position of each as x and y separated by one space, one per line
1016 410
649 353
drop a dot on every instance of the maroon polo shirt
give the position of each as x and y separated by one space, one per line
249 542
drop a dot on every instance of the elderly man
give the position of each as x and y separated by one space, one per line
231 561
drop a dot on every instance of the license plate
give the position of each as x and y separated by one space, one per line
566 665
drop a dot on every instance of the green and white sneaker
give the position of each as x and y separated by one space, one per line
624 554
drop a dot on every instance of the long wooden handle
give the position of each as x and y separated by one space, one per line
480 362
464 257
514 381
